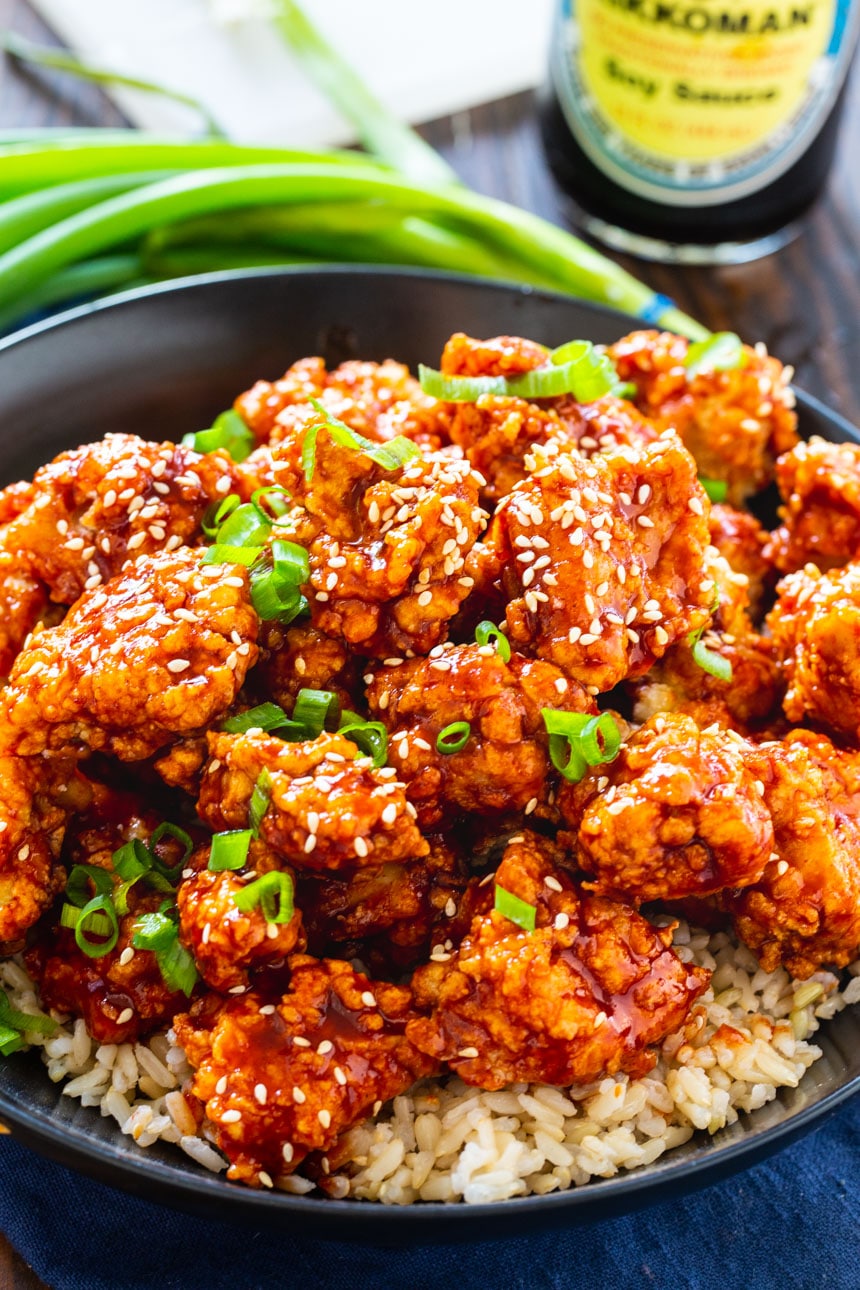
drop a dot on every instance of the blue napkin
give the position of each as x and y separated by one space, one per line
791 1223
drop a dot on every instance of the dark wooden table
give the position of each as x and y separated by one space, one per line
804 301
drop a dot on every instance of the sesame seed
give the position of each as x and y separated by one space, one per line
125 1016
531 804
339 1075
324 1118
361 847
368 999
207 932
425 598
109 498
265 1179
696 506
126 956
24 851
136 540
310 843
644 522
661 636
468 1052
782 867
553 883
298 1095
561 921
599 1020
231 1117
237 989
221 1086
389 815
178 665
261 1093
287 1152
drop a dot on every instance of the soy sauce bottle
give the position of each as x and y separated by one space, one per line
696 130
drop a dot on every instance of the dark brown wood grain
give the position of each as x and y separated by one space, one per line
803 301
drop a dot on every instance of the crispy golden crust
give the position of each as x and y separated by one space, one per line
602 561
24 603
282 1078
735 423
819 483
299 657
589 992
677 814
742 542
159 652
102 504
816 632
804 913
328 810
505 764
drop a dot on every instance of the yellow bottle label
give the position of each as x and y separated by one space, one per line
699 101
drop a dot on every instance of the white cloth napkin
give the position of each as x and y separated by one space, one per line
423 60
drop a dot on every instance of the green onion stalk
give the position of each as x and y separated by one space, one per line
84 212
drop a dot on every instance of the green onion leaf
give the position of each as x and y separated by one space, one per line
245 526
277 502
167 830
518 911
229 850
275 588
82 878
717 489
10 1041
709 661
132 860
221 554
486 632
154 931
370 737
97 918
588 376
227 431
313 708
577 741
721 352
24 1021
266 716
216 513
260 799
273 894
290 563
391 455
453 738
159 932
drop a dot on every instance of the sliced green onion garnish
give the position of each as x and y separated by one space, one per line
132 859
273 894
290 562
721 352
266 716
453 738
97 918
215 514
275 588
486 632
709 661
81 879
11 1041
313 708
168 830
587 376
260 799
23 1021
221 554
277 502
370 737
228 431
518 911
229 850
246 525
392 455
717 489
577 741
159 932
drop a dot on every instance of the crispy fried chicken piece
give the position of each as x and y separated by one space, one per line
676 814
24 603
387 915
742 542
280 1079
328 809
602 561
497 433
505 764
379 400
588 993
816 631
735 423
820 487
804 913
228 944
300 657
14 499
106 502
161 651
37 796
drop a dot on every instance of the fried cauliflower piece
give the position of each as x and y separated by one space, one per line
742 542
590 992
677 814
505 764
819 483
379 400
37 796
804 912
99 505
816 632
602 561
285 1077
329 809
160 652
230 944
735 423
387 915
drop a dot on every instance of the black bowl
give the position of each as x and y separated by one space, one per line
163 361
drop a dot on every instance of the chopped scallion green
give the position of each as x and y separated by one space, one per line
486 632
313 708
453 738
260 799
370 737
717 489
228 431
518 911
272 894
721 352
229 850
266 716
391 455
